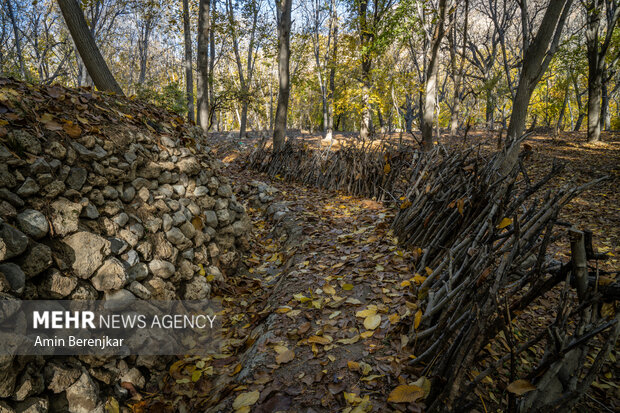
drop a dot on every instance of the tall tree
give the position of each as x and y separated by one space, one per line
457 73
596 10
283 10
202 83
535 63
245 81
85 43
189 79
18 44
430 87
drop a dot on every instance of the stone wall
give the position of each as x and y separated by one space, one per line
129 215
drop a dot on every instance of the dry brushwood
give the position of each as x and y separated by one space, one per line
483 240
359 170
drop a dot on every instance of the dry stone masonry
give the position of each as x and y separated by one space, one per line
124 216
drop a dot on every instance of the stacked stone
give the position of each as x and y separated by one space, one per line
129 217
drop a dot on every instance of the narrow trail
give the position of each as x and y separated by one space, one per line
319 315
317 320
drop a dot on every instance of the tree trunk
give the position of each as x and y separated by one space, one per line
284 32
85 43
212 64
189 80
18 45
595 89
535 63
596 51
408 113
458 75
605 118
430 88
202 83
332 75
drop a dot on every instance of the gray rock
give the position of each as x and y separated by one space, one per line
90 211
130 156
161 268
153 225
77 178
84 292
111 276
37 259
33 223
83 395
225 191
178 218
110 193
221 203
15 242
197 289
7 210
179 189
28 188
201 191
128 194
118 246
56 150
211 218
189 166
138 272
89 251
65 216
187 228
55 285
40 166
26 141
121 219
175 236
118 300
215 272
7 179
139 290
223 217
11 197
131 258
60 375
14 275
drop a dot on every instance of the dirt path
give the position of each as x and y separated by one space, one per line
314 324
318 319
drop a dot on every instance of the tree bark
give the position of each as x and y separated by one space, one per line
430 88
189 79
202 81
18 45
284 32
85 43
332 74
458 74
212 64
535 63
596 51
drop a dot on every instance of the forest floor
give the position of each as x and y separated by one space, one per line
318 320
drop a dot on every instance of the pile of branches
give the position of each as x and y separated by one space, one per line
483 239
359 169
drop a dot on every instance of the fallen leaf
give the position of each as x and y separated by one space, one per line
504 223
246 399
406 394
418 319
285 357
372 321
319 340
520 387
